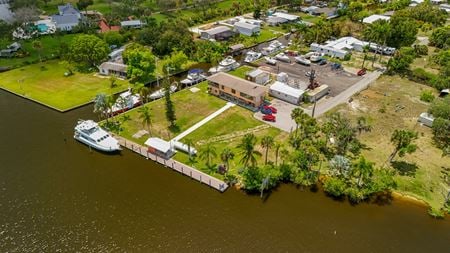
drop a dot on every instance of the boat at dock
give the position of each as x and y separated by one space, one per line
124 102
252 56
89 133
225 65
194 76
160 93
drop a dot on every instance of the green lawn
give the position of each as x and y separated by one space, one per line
241 71
227 130
46 83
50 47
190 108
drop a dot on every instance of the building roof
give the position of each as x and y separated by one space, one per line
104 27
119 67
286 16
325 10
217 30
254 73
238 84
286 89
373 18
158 144
67 9
131 23
66 19
237 47
245 25
273 19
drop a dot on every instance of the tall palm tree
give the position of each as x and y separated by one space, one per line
146 117
284 155
37 45
298 115
208 153
277 151
190 144
226 156
144 91
267 142
363 170
378 32
248 152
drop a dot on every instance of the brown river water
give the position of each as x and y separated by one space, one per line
57 195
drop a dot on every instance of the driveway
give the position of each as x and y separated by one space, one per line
284 121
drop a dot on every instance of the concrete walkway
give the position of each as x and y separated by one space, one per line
203 121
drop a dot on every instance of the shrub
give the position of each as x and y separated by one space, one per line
334 186
421 76
427 96
420 50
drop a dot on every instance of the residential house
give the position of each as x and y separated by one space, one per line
258 76
132 24
283 91
105 27
326 11
67 18
113 68
246 28
217 33
278 18
237 90
373 18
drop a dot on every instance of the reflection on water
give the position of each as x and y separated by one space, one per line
57 195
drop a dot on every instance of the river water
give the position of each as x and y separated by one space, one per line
57 195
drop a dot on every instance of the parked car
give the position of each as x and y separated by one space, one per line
265 110
336 66
269 117
271 108
322 62
361 72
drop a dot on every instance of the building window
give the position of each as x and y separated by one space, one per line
233 91
223 87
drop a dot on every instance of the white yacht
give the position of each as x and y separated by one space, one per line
282 57
302 60
126 101
89 133
252 56
161 92
194 76
225 65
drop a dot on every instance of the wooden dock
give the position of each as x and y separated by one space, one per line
175 165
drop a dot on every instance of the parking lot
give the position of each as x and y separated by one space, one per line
283 115
337 80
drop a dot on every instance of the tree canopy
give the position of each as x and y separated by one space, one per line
89 50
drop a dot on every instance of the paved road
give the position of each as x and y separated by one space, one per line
324 106
203 121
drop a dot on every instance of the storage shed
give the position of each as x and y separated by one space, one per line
318 93
258 76
286 93
160 147
426 119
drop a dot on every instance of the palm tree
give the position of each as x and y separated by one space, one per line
363 170
190 144
277 151
226 156
298 115
37 45
362 125
377 32
248 151
146 117
284 155
100 105
208 153
267 142
144 91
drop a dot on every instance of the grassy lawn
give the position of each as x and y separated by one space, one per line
190 108
419 174
46 83
241 71
264 36
227 130
50 47
425 62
